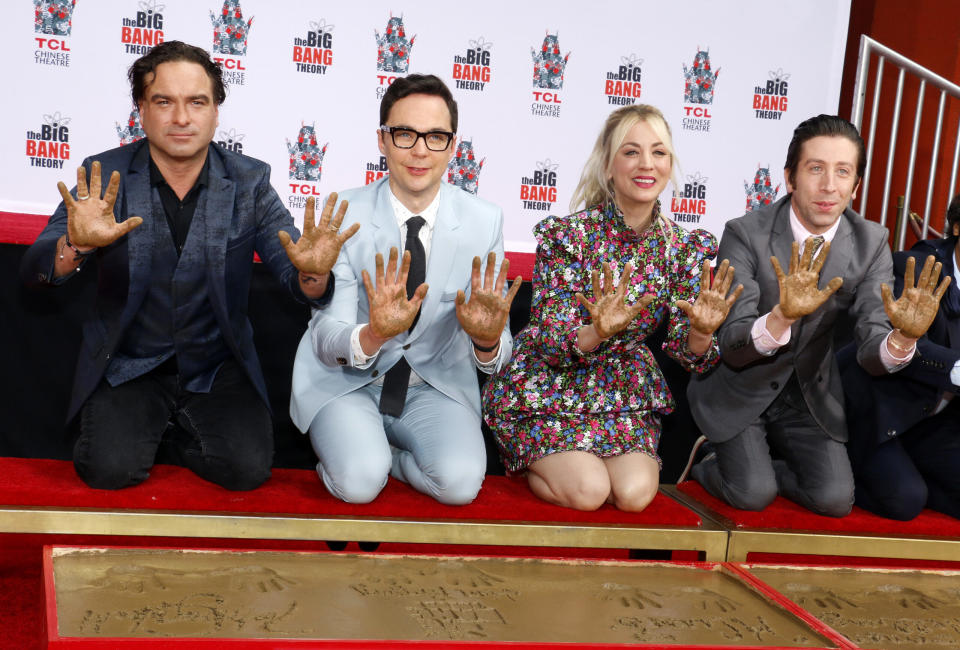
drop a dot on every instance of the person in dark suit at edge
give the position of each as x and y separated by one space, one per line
172 240
904 443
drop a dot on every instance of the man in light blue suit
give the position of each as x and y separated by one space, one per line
384 379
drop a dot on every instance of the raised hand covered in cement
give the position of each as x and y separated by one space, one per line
609 310
485 315
712 304
390 311
316 251
916 307
799 294
90 220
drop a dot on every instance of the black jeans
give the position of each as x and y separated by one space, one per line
225 436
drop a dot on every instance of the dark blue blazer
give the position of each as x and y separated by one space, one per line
882 408
242 214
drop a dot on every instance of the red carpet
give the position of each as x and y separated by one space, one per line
787 515
41 482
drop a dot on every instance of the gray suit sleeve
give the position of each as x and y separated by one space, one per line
736 343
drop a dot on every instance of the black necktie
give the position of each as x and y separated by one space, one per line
395 382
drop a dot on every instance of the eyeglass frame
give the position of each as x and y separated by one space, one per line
390 129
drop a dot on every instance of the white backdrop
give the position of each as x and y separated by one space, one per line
524 134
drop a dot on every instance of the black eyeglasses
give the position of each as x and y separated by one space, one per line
404 138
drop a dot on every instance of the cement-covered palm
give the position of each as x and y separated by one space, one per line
390 311
914 311
712 304
799 294
609 312
90 220
485 315
319 246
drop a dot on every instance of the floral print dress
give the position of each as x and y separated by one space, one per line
551 396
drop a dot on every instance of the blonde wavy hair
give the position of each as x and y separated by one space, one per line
596 182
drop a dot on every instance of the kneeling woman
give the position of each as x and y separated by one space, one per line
579 405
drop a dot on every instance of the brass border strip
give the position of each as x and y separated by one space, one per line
743 542
167 523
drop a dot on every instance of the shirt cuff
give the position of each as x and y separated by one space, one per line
955 374
486 367
765 342
890 362
360 358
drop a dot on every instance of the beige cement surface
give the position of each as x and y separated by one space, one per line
169 593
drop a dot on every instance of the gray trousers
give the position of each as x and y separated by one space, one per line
436 446
814 470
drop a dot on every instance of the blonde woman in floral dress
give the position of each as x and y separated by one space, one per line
579 405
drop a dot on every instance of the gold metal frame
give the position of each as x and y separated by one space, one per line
710 539
743 541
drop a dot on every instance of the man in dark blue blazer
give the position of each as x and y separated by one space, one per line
904 428
173 238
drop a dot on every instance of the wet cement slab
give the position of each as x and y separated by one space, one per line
289 595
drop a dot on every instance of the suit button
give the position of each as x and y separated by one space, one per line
406 347
892 432
341 361
774 385
107 356
375 373
819 378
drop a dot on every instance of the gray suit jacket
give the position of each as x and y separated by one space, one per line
727 400
241 213
437 349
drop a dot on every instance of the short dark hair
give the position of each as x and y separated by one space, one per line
418 84
831 125
953 215
174 51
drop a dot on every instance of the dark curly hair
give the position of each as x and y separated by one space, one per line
167 53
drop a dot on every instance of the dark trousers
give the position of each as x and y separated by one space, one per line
812 469
225 436
916 470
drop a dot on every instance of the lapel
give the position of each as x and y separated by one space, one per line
386 232
214 214
143 202
951 299
443 253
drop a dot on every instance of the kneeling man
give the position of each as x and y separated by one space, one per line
385 378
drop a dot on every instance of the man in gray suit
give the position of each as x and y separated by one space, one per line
168 340
778 386
385 378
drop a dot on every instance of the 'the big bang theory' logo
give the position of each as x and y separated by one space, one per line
770 99
52 18
548 69
375 170
132 130
471 70
144 30
699 84
230 34
622 86
231 140
393 52
49 146
314 52
761 192
539 192
689 202
464 170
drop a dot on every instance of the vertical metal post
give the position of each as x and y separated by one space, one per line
933 162
873 129
911 164
892 151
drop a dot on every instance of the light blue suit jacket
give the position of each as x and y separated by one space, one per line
437 349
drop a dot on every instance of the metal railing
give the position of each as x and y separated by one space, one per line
884 55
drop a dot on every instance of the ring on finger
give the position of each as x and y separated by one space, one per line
83 198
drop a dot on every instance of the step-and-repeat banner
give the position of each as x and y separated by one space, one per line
534 82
